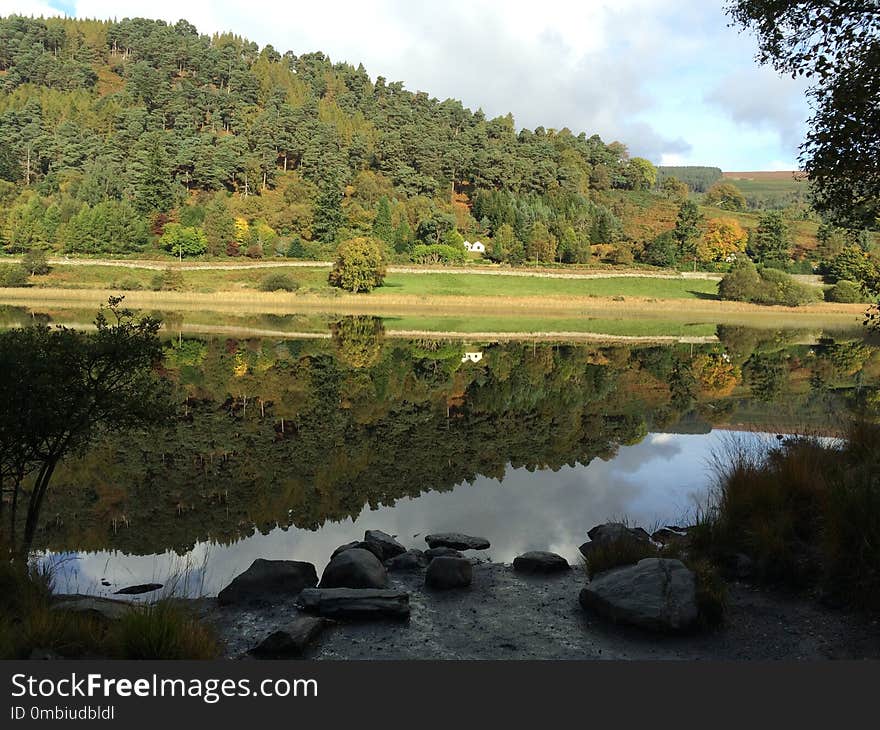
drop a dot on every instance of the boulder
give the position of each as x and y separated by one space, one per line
539 561
442 552
613 532
103 609
355 603
138 589
354 568
292 640
457 541
656 594
269 580
388 547
667 535
448 572
409 561
360 545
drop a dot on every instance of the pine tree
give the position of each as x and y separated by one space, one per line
382 227
328 212
687 230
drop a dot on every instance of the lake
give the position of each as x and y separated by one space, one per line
287 448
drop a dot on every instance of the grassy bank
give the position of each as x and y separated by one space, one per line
805 513
32 620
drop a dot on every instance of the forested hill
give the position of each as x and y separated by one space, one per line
142 119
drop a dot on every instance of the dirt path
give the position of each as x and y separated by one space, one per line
505 615
488 270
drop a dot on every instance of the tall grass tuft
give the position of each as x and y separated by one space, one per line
806 511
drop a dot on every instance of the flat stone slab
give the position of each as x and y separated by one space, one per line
457 541
292 640
101 608
355 603
540 561
409 561
269 580
442 552
138 589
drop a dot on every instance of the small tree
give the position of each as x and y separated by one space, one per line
35 262
184 240
723 237
61 389
726 196
687 230
360 266
770 242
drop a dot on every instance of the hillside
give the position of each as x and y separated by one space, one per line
137 137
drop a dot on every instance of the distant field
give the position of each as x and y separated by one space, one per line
763 175
768 183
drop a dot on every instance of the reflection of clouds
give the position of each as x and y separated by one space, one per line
659 480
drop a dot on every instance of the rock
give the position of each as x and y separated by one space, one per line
269 580
354 568
138 589
387 545
442 552
105 609
409 561
611 532
360 545
457 541
448 572
355 603
539 561
666 535
292 640
656 593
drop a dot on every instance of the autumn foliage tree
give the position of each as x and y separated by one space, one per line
360 265
723 238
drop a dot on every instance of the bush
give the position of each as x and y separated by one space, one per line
163 630
13 276
168 280
126 285
35 262
438 254
747 283
662 251
359 267
845 292
278 282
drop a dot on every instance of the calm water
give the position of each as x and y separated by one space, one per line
289 448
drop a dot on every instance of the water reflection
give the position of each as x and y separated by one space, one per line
661 480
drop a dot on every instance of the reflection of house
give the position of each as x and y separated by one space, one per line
475 247
472 357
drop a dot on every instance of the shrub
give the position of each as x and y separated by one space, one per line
278 282
438 254
845 292
126 285
13 276
168 280
35 262
359 267
747 283
663 250
184 240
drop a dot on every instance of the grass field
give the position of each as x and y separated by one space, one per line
314 281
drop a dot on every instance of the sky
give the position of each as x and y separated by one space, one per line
669 78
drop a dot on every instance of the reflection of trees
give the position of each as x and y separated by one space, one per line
296 433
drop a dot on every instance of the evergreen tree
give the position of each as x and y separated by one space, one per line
382 227
770 242
687 230
329 217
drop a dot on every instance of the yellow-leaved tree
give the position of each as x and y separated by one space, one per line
723 240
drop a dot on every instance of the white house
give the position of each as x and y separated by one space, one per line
472 357
475 247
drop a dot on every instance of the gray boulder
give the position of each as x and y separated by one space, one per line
656 594
457 541
411 560
613 532
291 641
354 568
448 572
669 535
388 547
539 561
360 545
442 552
355 603
269 580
